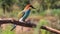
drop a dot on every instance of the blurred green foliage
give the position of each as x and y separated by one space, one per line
41 9
40 5
7 30
39 30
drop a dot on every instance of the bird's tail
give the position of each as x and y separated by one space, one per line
13 28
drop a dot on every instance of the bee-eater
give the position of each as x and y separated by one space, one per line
24 14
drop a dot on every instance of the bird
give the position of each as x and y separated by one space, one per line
23 15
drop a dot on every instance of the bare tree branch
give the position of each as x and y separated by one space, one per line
13 21
50 29
25 24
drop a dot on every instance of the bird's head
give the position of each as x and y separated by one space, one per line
29 6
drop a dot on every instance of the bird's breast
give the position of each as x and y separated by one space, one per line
26 14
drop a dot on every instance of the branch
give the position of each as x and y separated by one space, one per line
13 21
25 24
50 29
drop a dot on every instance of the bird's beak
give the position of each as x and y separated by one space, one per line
32 7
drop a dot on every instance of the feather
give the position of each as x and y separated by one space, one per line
20 14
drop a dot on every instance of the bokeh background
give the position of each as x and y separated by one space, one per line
47 12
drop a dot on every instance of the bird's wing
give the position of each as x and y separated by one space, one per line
20 14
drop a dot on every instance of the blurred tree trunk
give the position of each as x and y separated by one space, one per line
7 5
3 7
